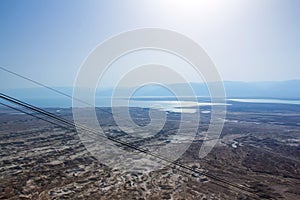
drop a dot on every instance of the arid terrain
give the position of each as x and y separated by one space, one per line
257 157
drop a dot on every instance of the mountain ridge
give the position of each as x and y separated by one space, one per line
289 89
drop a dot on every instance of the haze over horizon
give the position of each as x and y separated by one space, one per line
150 99
248 41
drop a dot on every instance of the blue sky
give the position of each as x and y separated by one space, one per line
248 40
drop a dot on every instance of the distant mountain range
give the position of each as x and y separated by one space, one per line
234 89
281 89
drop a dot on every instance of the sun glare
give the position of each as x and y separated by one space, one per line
204 11
200 7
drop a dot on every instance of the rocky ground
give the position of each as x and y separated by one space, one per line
259 150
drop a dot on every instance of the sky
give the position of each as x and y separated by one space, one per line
248 40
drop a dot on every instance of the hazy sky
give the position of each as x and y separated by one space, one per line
248 40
